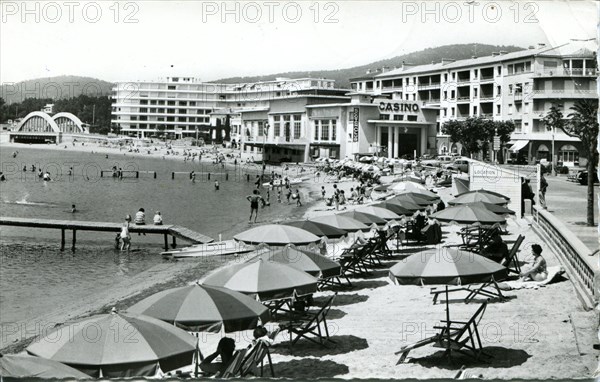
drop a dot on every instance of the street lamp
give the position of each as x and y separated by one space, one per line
265 133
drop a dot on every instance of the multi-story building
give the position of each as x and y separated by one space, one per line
186 107
519 86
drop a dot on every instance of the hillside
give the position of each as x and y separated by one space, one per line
426 56
59 87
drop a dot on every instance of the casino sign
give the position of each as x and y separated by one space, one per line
398 107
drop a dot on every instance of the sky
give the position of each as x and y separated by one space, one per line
145 40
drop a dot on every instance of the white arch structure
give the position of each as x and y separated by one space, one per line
40 122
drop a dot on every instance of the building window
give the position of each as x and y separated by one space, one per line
452 111
316 131
568 153
398 117
445 112
297 128
412 118
445 77
498 70
475 90
324 131
333 129
498 90
261 131
475 111
497 109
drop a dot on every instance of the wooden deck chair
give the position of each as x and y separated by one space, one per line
459 336
512 261
353 262
254 361
314 326
488 289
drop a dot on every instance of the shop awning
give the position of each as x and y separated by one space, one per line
518 145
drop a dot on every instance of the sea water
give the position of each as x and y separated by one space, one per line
35 276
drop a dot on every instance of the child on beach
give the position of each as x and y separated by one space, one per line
216 185
158 218
124 235
323 191
140 218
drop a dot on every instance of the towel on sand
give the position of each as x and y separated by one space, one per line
553 273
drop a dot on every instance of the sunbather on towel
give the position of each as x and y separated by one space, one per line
538 271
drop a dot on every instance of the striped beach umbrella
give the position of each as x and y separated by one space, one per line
307 261
201 308
364 217
277 234
265 279
396 208
446 266
478 196
468 214
117 345
383 213
482 191
495 208
342 222
26 366
319 229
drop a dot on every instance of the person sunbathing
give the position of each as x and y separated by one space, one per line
225 349
538 271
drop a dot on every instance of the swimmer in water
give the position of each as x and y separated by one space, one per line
216 185
73 209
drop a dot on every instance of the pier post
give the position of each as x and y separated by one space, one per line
226 176
74 240
174 244
62 239
166 242
137 174
154 174
172 175
209 176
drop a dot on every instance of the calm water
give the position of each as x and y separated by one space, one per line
35 276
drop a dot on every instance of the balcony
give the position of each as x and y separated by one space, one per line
564 93
463 80
486 98
486 78
463 99
431 85
562 72
487 115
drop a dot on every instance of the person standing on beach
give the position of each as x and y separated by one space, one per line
288 193
254 199
278 194
216 185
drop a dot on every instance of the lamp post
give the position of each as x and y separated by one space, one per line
265 133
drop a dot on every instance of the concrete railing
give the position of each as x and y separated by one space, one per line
583 269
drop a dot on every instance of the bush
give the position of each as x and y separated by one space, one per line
563 170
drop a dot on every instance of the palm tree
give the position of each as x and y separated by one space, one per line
583 124
554 120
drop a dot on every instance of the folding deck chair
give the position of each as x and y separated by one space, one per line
235 365
315 325
512 262
488 289
459 336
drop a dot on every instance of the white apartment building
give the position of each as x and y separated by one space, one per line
519 86
188 107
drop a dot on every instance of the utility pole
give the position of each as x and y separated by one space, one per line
93 114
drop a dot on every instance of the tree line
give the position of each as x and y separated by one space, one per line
95 110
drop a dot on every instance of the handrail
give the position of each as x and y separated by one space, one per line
573 254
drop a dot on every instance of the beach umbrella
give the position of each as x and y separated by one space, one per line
268 280
396 208
446 266
482 191
342 222
495 208
478 197
319 229
383 187
467 214
117 345
307 261
407 186
422 193
200 308
364 217
418 199
277 234
26 366
408 204
379 211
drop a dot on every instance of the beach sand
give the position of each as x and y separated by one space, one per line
536 334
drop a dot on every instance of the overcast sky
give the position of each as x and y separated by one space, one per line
152 39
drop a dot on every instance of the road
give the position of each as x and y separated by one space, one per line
568 201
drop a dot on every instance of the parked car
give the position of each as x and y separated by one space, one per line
445 159
582 177
460 164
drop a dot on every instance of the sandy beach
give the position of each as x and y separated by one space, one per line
537 333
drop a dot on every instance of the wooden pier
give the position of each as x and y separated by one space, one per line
174 231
